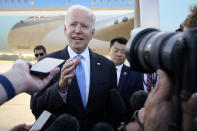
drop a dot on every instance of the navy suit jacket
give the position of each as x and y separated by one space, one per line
102 80
129 82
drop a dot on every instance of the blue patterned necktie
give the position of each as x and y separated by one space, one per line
80 74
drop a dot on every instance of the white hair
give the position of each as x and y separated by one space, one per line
74 7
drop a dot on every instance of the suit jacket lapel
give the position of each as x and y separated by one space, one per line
64 54
74 95
95 65
123 77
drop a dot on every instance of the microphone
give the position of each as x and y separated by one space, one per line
43 121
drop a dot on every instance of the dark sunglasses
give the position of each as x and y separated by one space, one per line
135 118
41 54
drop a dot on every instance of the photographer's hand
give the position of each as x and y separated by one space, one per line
22 81
189 113
160 107
21 127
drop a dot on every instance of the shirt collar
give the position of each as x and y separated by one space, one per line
119 67
85 53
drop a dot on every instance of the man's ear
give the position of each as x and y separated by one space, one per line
64 29
109 50
93 31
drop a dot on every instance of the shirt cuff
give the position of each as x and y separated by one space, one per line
63 96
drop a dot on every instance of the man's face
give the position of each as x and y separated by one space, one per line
38 53
78 30
117 53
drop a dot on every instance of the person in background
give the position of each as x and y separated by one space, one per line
160 106
191 21
136 122
82 89
64 122
128 81
39 51
102 126
138 99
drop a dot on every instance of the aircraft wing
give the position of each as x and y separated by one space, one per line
119 26
48 31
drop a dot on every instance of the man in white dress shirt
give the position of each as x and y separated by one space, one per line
128 81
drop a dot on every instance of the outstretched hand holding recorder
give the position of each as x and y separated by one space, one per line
44 66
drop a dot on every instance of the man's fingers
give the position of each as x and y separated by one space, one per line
77 61
67 64
69 76
54 71
52 74
164 87
68 70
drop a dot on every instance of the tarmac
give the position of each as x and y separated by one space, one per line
16 111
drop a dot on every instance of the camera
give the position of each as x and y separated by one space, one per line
149 49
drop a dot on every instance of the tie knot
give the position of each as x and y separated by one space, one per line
78 56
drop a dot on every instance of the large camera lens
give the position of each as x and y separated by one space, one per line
150 49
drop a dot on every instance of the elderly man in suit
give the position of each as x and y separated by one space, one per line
82 89
128 81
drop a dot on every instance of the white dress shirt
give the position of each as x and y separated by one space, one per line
118 72
86 64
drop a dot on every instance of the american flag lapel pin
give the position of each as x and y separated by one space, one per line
98 64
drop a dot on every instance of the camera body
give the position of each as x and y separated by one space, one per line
149 49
